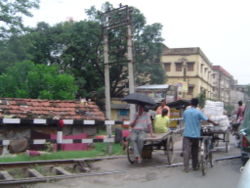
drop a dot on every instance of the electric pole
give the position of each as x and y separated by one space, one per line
113 19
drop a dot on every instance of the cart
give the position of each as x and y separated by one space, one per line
161 141
218 136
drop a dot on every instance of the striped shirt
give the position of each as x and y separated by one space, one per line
143 122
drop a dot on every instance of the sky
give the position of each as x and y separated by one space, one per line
221 28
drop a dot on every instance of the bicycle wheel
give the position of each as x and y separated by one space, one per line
203 158
227 141
210 158
170 149
203 164
130 153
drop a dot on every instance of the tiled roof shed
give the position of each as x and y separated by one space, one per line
49 109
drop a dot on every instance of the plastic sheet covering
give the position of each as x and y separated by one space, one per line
246 121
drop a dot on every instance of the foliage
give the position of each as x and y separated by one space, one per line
77 49
97 151
27 80
11 12
202 99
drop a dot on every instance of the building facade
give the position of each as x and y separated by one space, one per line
223 84
190 70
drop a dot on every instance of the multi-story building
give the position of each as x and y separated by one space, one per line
189 69
223 84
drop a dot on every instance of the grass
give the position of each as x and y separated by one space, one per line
98 151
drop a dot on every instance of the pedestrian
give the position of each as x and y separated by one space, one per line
161 122
240 112
163 106
192 118
140 126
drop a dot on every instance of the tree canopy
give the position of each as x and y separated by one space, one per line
11 12
29 80
76 48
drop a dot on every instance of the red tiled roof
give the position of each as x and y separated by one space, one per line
55 109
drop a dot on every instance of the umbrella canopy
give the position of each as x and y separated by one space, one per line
138 98
179 104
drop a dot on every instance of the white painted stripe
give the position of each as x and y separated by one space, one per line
6 142
39 121
87 141
108 140
59 137
68 121
89 122
126 123
109 122
39 141
11 121
67 141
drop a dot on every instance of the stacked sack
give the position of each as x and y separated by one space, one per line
214 111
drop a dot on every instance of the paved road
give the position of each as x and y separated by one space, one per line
153 173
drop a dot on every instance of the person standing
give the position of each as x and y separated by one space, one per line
163 106
192 118
141 124
240 112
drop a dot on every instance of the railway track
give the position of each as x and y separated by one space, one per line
51 170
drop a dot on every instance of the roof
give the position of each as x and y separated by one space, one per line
222 70
185 52
46 109
154 86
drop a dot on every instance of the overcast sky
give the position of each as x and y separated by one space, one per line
221 28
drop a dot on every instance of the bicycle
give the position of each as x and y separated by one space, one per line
206 151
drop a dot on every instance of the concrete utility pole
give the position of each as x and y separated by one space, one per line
130 67
113 19
106 75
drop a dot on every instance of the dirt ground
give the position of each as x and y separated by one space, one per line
155 173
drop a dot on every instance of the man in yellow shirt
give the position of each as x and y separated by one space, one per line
161 122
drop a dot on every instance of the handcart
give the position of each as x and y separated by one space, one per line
161 141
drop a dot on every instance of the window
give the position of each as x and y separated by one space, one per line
167 67
190 66
190 90
202 68
178 67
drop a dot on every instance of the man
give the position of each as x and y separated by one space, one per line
240 112
141 124
163 106
192 132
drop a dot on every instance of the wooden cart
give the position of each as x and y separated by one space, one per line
162 141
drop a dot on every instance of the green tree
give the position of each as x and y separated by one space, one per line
202 99
77 49
11 12
28 80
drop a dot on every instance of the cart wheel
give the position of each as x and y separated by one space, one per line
169 149
130 153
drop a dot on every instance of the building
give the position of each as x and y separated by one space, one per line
190 70
223 84
37 115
